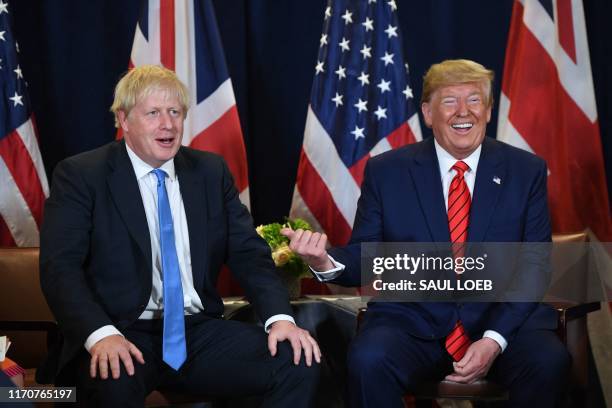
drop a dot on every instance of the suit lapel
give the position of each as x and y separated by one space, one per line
193 194
126 195
429 190
490 178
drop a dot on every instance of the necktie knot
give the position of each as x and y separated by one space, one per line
460 167
161 176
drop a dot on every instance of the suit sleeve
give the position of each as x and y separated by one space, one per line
249 257
64 249
533 273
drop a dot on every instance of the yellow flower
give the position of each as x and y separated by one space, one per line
281 255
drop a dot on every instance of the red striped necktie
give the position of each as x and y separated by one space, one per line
459 202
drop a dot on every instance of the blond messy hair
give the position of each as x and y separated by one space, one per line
455 72
141 82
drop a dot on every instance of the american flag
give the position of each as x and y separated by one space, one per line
361 105
183 36
23 185
548 67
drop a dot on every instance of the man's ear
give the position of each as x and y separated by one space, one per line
426 109
122 118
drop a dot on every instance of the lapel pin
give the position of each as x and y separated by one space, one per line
496 180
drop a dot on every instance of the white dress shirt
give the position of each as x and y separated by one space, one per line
446 162
147 184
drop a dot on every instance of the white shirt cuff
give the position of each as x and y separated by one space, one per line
99 334
498 338
330 274
277 318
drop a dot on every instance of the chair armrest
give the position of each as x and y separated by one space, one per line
360 314
567 312
28 325
572 311
47 326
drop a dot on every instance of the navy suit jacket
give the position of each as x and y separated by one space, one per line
96 252
402 201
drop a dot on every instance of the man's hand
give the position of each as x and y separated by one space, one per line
110 350
310 246
299 338
477 361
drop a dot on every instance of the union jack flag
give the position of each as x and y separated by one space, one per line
183 36
361 105
23 185
548 66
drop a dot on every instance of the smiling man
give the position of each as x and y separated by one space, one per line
459 186
134 236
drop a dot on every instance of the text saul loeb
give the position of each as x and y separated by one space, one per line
435 285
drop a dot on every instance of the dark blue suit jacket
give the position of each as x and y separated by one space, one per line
95 251
402 201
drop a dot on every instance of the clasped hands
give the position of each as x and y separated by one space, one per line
476 362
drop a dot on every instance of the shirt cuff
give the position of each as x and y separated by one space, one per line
498 338
277 318
330 274
99 334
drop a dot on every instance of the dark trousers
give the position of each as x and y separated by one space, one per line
224 359
385 362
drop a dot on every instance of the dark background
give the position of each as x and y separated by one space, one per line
73 51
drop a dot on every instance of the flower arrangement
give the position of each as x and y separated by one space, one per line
282 255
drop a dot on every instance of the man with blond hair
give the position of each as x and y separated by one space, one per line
134 236
459 186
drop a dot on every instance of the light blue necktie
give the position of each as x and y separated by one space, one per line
174 348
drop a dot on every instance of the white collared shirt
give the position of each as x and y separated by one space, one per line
147 184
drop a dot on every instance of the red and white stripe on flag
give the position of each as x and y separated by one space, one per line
23 182
547 106
183 36
23 189
361 105
326 191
